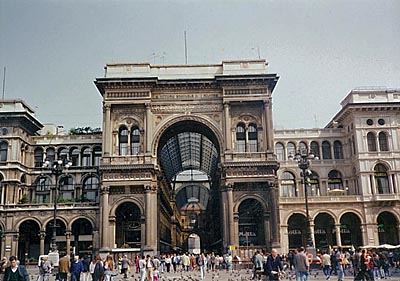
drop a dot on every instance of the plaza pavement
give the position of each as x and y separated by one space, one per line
223 275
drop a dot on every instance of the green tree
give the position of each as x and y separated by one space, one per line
84 131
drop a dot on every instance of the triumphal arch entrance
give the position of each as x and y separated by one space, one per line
188 154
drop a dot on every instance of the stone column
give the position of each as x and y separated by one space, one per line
151 211
104 216
235 240
338 236
42 236
148 129
390 179
372 180
228 124
274 217
95 242
267 229
284 238
312 234
111 231
225 215
107 130
269 134
68 234
364 234
230 214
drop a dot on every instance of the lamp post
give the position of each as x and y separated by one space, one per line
303 158
57 168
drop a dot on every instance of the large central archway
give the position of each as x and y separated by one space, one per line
188 153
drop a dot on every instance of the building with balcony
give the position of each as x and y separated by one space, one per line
188 156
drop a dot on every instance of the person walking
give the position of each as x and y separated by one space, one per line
45 269
15 271
64 265
125 263
258 263
201 262
142 268
98 270
326 265
85 271
76 269
303 266
274 265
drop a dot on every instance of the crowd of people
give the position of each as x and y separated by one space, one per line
361 264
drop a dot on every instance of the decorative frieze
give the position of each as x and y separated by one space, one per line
127 176
128 95
184 108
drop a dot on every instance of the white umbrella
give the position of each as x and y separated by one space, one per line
387 246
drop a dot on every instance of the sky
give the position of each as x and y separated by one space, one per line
54 49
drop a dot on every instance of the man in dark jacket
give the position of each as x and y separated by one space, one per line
273 266
15 272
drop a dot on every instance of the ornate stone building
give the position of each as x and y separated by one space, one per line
188 156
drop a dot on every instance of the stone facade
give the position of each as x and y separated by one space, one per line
190 150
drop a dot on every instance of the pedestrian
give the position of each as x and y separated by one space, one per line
64 264
45 269
98 271
326 265
201 262
303 266
142 268
15 271
76 269
273 266
149 268
85 271
108 268
257 260
125 263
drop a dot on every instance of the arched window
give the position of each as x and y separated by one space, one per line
96 155
279 151
74 156
383 142
326 150
123 140
241 138
381 179
313 181
314 148
290 149
38 155
253 138
42 188
62 154
50 154
288 185
303 146
3 151
90 189
371 141
86 157
66 188
338 150
135 141
335 180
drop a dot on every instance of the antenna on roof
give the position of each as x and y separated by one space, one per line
186 55
4 82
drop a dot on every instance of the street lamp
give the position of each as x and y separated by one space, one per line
57 168
303 158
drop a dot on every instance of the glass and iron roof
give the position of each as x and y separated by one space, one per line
189 159
189 151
